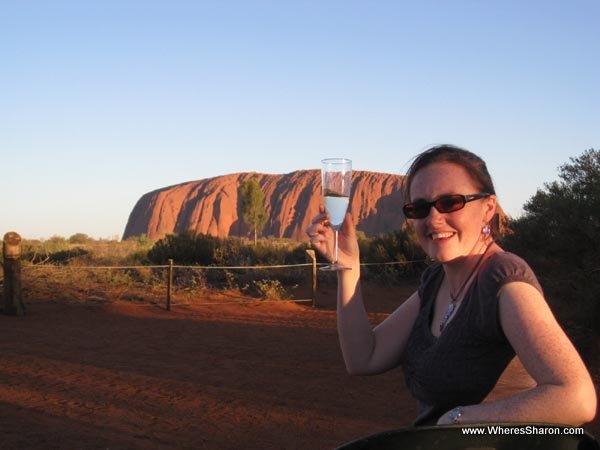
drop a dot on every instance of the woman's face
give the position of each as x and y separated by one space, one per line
447 236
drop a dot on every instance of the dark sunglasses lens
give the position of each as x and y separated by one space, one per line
450 203
417 210
408 210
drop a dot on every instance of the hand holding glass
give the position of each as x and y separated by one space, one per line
336 180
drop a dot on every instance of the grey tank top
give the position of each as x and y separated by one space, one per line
463 364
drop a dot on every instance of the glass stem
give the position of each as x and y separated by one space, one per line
335 246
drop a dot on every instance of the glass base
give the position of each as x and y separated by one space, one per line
334 267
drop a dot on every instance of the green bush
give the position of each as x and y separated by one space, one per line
399 245
55 250
80 238
184 249
63 257
559 235
202 249
271 289
206 250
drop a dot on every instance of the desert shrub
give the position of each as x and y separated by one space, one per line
232 252
55 244
398 245
56 240
120 278
80 238
143 275
137 258
200 249
58 250
186 248
143 240
63 257
113 253
45 247
50 252
33 251
270 289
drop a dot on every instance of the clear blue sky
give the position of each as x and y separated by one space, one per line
101 102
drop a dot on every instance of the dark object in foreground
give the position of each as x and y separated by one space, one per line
499 436
11 252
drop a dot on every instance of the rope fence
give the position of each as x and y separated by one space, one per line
13 269
52 266
11 283
313 265
176 266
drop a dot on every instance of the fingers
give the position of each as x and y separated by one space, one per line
320 233
319 242
322 217
319 224
317 233
348 227
319 230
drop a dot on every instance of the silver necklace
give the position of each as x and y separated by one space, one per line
454 298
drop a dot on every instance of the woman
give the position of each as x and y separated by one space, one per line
475 308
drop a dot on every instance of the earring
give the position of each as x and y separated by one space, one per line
486 230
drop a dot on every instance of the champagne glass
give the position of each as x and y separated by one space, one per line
336 181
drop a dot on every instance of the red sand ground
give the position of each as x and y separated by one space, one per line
118 374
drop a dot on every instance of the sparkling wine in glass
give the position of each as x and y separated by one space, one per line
336 180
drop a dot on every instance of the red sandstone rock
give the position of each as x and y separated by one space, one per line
211 206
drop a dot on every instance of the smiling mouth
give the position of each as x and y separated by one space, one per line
441 236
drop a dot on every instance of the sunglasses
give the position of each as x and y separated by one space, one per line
444 204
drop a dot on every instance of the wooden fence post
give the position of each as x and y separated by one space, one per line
11 251
169 284
311 254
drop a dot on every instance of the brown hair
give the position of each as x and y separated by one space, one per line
475 167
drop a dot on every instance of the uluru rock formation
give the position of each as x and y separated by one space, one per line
211 206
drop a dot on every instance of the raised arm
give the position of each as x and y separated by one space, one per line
366 351
370 351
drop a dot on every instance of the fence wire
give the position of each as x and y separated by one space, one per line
178 266
257 281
